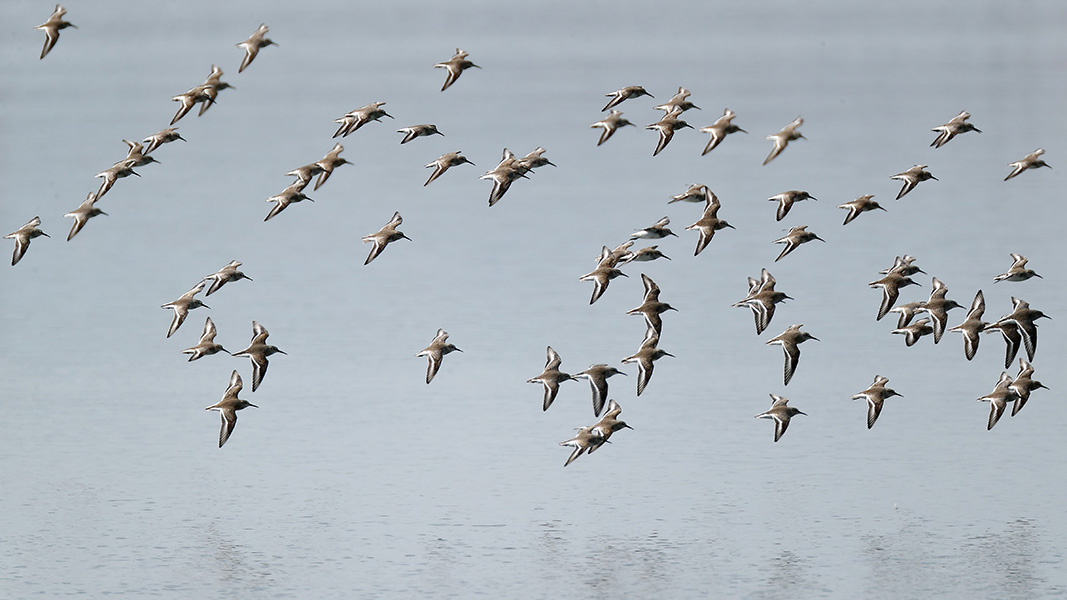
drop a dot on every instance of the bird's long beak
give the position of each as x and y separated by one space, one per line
252 405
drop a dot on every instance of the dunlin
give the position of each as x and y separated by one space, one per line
358 118
785 201
447 161
911 178
621 254
436 352
721 128
592 437
535 160
82 214
914 331
796 236
228 407
182 306
257 352
206 346
875 396
163 136
655 231
956 125
1023 385
972 326
761 300
304 175
651 308
783 137
386 235
999 398
51 28
790 341
551 377
328 163
136 156
1013 339
906 312
509 169
630 91
598 381
780 412
697 192
666 127
890 285
709 223
1017 271
22 238
1024 317
455 66
678 103
289 195
903 265
603 274
645 254
610 124
253 44
123 168
645 356
937 306
225 275
1031 161
415 131
859 205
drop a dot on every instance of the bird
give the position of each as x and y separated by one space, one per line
455 66
51 28
163 136
81 215
655 231
610 124
651 308
783 137
999 398
630 91
956 125
328 163
586 438
228 407
1017 271
972 326
875 396
645 254
721 128
708 223
551 377
187 101
644 357
206 92
790 341
598 382
1013 339
182 306
447 161
359 117
257 352
534 160
620 255
136 156
206 346
890 285
1023 385
123 168
914 331
678 103
785 201
603 274
859 205
435 353
911 178
666 127
415 131
1030 161
903 265
907 311
253 44
796 236
508 170
304 175
937 306
780 412
761 300
288 196
1024 318
696 192
385 235
22 238
225 275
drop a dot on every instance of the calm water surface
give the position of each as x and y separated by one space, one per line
354 478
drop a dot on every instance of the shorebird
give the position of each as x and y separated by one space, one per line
785 201
206 346
603 274
875 396
621 254
51 28
678 103
228 407
903 265
206 92
972 325
503 174
182 306
1023 385
655 231
721 128
783 137
999 398
780 412
447 161
385 236
252 45
358 118
23 236
288 196
1013 339
911 178
592 437
651 308
708 223
551 377
610 124
1031 161
956 125
937 306
1017 271
630 91
435 353
534 160
598 381
187 101
123 168
890 285
82 214
796 236
136 156
1024 318
859 205
225 275
304 175
914 331
328 163
415 131
163 136
761 300
906 312
646 254
257 352
696 192
455 66
790 341
666 127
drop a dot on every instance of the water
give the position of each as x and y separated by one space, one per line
355 477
